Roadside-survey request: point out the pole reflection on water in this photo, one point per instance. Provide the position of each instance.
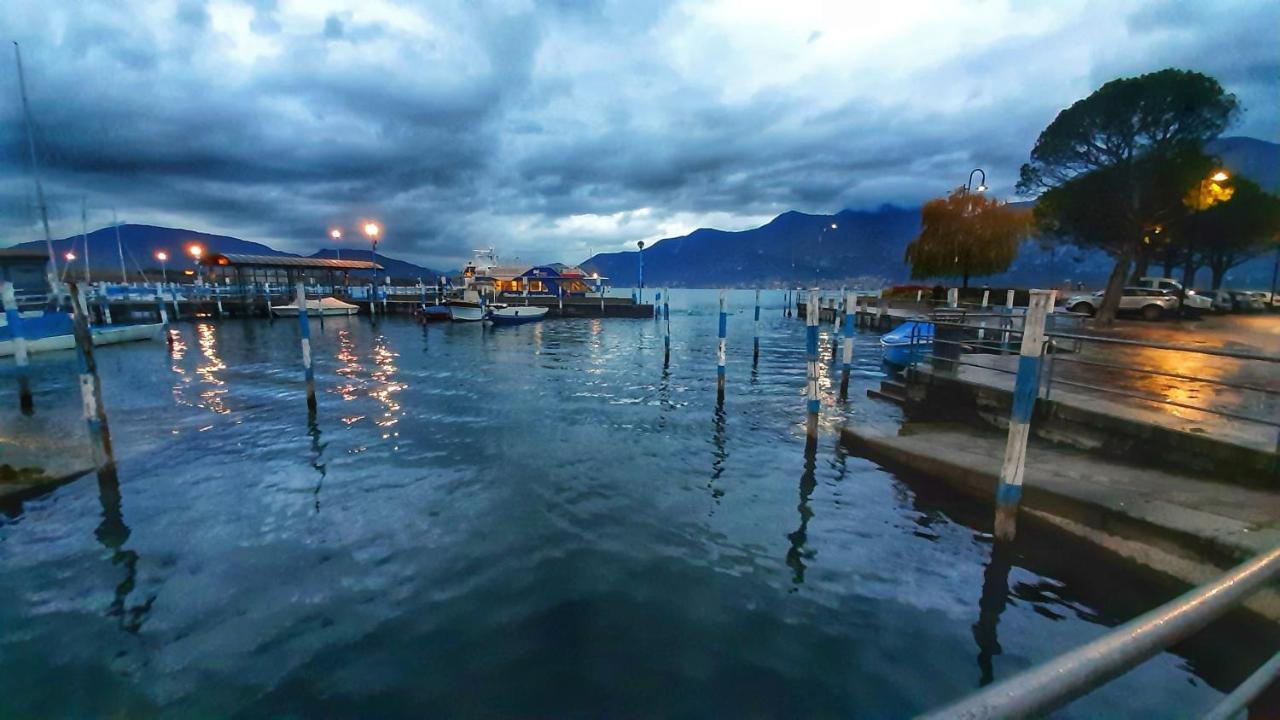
(112, 533)
(995, 596)
(797, 553)
(720, 453)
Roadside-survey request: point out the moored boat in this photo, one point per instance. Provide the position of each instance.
(322, 306)
(470, 307)
(908, 343)
(46, 332)
(517, 314)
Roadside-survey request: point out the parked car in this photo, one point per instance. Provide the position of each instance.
(1193, 303)
(1246, 301)
(1151, 304)
(1221, 300)
(1269, 301)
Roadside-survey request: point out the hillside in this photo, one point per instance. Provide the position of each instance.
(142, 242)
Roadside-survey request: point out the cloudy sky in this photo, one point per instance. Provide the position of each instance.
(551, 129)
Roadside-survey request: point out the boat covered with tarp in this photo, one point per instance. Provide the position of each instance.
(48, 331)
(908, 343)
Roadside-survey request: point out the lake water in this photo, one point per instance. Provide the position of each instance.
(516, 522)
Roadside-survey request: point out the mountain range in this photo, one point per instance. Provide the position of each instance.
(140, 244)
(867, 248)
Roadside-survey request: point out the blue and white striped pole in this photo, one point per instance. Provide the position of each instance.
(305, 325)
(848, 345)
(95, 414)
(838, 308)
(1026, 387)
(811, 355)
(19, 338)
(657, 309)
(755, 334)
(724, 327)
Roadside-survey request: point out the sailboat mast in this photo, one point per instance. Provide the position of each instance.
(35, 168)
(124, 274)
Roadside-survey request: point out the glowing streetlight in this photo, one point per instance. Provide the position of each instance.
(196, 251)
(69, 256)
(640, 296)
(982, 184)
(372, 230)
(163, 257)
(336, 234)
(1220, 176)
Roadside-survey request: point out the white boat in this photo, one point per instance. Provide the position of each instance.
(323, 306)
(47, 332)
(470, 307)
(516, 314)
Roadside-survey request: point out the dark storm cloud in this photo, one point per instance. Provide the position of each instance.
(551, 128)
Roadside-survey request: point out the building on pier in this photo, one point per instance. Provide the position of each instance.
(25, 268)
(247, 271)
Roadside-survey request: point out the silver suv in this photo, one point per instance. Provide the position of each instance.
(1151, 304)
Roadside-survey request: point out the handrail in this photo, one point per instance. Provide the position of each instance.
(1251, 688)
(1165, 346)
(1075, 673)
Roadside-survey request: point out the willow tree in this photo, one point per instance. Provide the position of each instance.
(1117, 164)
(966, 234)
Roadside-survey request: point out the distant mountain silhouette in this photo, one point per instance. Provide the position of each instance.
(142, 242)
(867, 247)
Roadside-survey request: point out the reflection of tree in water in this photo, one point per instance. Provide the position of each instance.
(797, 554)
(112, 532)
(995, 596)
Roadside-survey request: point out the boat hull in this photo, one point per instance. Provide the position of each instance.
(465, 312)
(517, 315)
(107, 335)
(324, 306)
(434, 312)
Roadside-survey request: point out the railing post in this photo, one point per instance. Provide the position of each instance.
(755, 334)
(95, 414)
(811, 355)
(1009, 491)
(106, 303)
(882, 310)
(724, 326)
(19, 339)
(839, 308)
(848, 348)
(1008, 320)
(305, 326)
(173, 295)
(953, 297)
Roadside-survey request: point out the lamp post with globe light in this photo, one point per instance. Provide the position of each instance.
(196, 252)
(163, 257)
(640, 296)
(372, 231)
(336, 234)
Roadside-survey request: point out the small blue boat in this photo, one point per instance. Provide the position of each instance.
(433, 312)
(48, 331)
(908, 343)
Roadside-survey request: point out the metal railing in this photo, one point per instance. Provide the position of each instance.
(1073, 674)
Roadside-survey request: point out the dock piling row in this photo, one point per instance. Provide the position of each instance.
(1026, 387)
(20, 358)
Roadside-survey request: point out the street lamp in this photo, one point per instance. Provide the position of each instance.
(640, 296)
(336, 234)
(163, 257)
(982, 184)
(371, 230)
(196, 252)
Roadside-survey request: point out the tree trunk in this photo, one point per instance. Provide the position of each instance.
(1140, 267)
(1115, 288)
(965, 283)
(1218, 272)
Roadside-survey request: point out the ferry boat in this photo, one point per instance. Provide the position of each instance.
(49, 331)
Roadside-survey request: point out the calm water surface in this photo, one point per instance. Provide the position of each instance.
(529, 521)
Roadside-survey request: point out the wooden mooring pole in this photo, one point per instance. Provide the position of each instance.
(811, 355)
(95, 414)
(720, 371)
(305, 325)
(837, 322)
(755, 334)
(666, 331)
(848, 348)
(1026, 387)
(19, 338)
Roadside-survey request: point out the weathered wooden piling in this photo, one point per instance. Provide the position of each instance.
(953, 297)
(1026, 387)
(982, 323)
(1006, 321)
(305, 325)
(882, 311)
(173, 296)
(811, 355)
(848, 348)
(755, 334)
(18, 336)
(95, 414)
(104, 303)
(666, 331)
(724, 327)
(837, 322)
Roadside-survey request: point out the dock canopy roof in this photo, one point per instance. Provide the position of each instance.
(286, 261)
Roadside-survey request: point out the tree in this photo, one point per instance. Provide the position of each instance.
(1243, 223)
(1115, 165)
(966, 234)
